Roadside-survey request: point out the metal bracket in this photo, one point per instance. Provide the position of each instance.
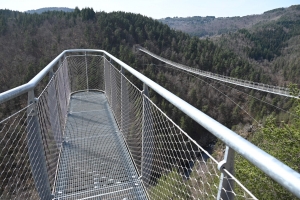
(222, 165)
(35, 100)
(32, 108)
(145, 90)
(65, 140)
(226, 186)
(51, 73)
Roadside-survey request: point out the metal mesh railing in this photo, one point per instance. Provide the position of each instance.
(127, 104)
(170, 163)
(52, 107)
(16, 181)
(85, 72)
(31, 140)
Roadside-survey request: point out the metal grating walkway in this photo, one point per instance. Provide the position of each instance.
(95, 163)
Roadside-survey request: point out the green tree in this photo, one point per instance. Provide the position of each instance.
(281, 140)
(169, 186)
(3, 25)
(87, 14)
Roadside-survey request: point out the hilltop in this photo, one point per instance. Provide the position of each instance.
(271, 45)
(211, 25)
(270, 41)
(41, 10)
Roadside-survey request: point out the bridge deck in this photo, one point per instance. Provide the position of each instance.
(95, 163)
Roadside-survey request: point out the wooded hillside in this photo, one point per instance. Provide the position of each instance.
(211, 25)
(270, 42)
(32, 40)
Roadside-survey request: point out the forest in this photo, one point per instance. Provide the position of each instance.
(30, 41)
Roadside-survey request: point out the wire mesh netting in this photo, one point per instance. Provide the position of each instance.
(30, 142)
(16, 178)
(170, 163)
(175, 166)
(52, 111)
(127, 105)
(85, 72)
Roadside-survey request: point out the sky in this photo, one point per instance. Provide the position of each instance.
(158, 9)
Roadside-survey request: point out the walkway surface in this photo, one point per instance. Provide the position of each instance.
(95, 163)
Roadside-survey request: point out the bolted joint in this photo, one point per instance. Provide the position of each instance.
(34, 101)
(228, 161)
(222, 165)
(51, 73)
(65, 140)
(145, 90)
(226, 186)
(122, 71)
(32, 111)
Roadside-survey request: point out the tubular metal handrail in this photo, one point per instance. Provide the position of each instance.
(10, 94)
(278, 171)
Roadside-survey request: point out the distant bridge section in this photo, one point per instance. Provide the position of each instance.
(282, 91)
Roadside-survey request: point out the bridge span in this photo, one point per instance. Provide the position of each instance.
(88, 132)
(235, 81)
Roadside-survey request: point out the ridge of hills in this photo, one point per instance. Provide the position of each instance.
(270, 41)
(41, 10)
(211, 25)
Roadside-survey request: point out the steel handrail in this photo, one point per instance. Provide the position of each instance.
(17, 91)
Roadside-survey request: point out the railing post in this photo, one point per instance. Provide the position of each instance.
(36, 151)
(124, 103)
(104, 72)
(59, 63)
(51, 73)
(147, 138)
(112, 82)
(226, 186)
(86, 72)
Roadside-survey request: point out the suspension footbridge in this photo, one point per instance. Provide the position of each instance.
(282, 91)
(88, 132)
